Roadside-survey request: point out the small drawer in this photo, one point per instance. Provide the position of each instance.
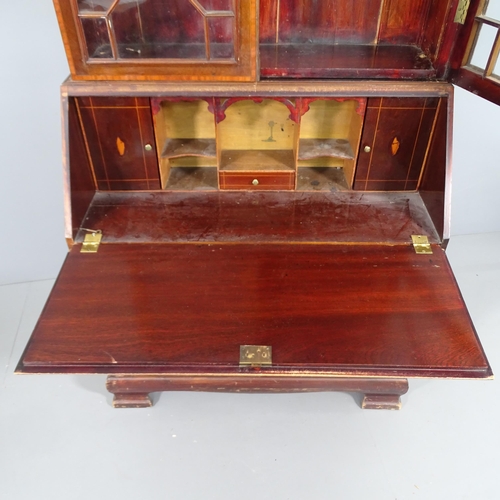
(257, 180)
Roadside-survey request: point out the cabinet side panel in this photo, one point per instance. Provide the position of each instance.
(81, 178)
(432, 36)
(433, 184)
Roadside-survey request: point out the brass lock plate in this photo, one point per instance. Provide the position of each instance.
(256, 355)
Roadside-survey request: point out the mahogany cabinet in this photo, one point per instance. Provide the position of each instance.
(258, 195)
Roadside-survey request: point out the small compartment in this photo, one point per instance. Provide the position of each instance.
(330, 132)
(185, 135)
(321, 179)
(257, 136)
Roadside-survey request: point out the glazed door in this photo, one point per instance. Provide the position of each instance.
(159, 39)
(394, 143)
(476, 59)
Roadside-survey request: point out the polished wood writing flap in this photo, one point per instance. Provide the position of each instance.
(340, 308)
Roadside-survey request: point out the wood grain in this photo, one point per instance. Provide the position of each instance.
(402, 22)
(330, 21)
(346, 309)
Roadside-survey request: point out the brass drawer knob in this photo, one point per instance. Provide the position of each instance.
(148, 147)
(367, 149)
(255, 182)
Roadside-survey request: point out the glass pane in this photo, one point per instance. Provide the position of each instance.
(173, 29)
(211, 5)
(170, 29)
(220, 30)
(493, 9)
(483, 47)
(88, 6)
(159, 29)
(96, 37)
(496, 70)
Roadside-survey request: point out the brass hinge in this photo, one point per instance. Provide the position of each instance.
(462, 9)
(421, 244)
(91, 241)
(256, 355)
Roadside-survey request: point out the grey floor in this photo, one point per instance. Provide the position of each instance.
(61, 439)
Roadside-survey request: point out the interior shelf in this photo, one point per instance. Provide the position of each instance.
(321, 148)
(192, 179)
(257, 160)
(177, 148)
(308, 60)
(321, 179)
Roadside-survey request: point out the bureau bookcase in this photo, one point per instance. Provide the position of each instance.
(258, 195)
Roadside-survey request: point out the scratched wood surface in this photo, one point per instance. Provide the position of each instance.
(260, 217)
(295, 60)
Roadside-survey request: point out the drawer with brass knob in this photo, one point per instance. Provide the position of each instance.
(257, 180)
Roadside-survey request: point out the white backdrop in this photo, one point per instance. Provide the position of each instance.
(33, 64)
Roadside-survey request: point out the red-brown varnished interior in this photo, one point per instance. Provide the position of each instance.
(254, 217)
(351, 38)
(346, 309)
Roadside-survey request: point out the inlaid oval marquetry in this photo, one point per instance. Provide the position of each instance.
(395, 146)
(120, 145)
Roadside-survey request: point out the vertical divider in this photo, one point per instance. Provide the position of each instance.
(298, 106)
(215, 104)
